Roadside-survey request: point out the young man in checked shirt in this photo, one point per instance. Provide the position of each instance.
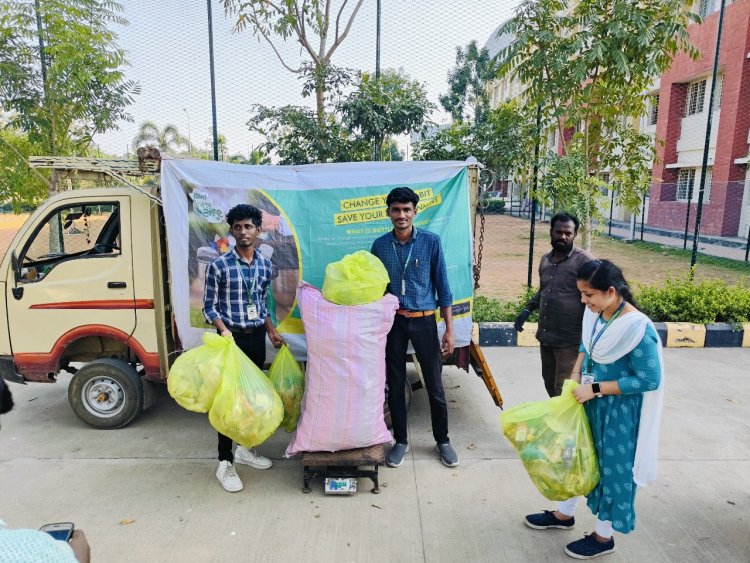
(235, 303)
(416, 267)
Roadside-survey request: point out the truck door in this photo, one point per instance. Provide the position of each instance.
(74, 278)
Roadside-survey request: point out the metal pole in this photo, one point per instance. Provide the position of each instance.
(687, 216)
(190, 144)
(377, 149)
(611, 209)
(377, 43)
(533, 199)
(213, 80)
(747, 246)
(704, 165)
(43, 63)
(643, 214)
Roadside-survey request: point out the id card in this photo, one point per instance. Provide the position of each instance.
(587, 378)
(252, 312)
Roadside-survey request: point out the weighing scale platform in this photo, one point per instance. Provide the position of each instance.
(344, 464)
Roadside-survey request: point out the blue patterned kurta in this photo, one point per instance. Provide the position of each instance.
(614, 426)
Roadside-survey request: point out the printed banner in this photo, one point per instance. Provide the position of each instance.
(312, 215)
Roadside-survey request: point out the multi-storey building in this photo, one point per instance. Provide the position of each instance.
(677, 118)
(678, 115)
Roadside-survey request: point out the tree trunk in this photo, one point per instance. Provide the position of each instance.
(53, 181)
(320, 99)
(586, 228)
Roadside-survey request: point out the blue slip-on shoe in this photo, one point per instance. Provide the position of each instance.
(589, 547)
(448, 455)
(396, 456)
(546, 519)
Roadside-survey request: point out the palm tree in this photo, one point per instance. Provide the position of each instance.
(165, 139)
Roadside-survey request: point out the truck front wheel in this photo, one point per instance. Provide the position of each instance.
(106, 393)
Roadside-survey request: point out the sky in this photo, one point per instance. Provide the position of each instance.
(167, 47)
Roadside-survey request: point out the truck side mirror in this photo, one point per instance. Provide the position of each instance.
(17, 291)
(15, 266)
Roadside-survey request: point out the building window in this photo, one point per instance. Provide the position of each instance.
(707, 186)
(685, 184)
(695, 98)
(705, 7)
(653, 114)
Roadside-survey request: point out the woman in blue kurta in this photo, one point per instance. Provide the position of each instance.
(620, 369)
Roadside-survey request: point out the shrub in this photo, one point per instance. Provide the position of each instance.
(495, 206)
(486, 309)
(677, 300)
(683, 300)
(490, 310)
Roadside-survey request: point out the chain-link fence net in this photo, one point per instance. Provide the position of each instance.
(168, 50)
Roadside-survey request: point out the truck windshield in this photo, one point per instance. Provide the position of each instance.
(72, 231)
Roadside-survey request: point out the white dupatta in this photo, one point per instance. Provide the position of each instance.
(621, 338)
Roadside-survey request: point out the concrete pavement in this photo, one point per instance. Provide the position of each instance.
(148, 492)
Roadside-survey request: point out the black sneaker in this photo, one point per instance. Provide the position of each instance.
(396, 456)
(448, 455)
(547, 519)
(589, 547)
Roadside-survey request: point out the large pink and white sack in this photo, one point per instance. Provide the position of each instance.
(342, 407)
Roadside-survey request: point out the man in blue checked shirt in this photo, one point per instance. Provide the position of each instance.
(235, 303)
(416, 266)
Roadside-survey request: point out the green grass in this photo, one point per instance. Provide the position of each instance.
(702, 259)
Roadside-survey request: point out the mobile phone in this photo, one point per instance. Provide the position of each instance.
(59, 530)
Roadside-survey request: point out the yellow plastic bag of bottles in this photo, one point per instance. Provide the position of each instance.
(289, 381)
(195, 376)
(247, 408)
(356, 279)
(553, 440)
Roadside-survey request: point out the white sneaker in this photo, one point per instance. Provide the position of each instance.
(228, 477)
(248, 456)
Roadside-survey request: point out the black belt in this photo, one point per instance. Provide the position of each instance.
(248, 330)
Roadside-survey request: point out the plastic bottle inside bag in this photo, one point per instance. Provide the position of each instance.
(569, 452)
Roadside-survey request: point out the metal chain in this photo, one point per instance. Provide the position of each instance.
(486, 180)
(478, 262)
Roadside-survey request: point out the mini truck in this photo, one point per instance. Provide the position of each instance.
(87, 290)
(85, 280)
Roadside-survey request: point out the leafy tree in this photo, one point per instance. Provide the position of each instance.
(586, 68)
(19, 184)
(78, 88)
(309, 22)
(295, 136)
(392, 105)
(166, 139)
(256, 157)
(497, 142)
(467, 97)
(391, 151)
(452, 142)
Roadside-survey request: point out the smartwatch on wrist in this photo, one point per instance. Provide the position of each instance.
(596, 389)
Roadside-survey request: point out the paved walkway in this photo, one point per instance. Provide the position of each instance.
(148, 493)
(714, 249)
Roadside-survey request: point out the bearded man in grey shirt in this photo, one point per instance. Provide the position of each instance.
(559, 303)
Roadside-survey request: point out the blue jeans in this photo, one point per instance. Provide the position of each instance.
(422, 331)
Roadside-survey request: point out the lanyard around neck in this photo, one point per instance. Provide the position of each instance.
(250, 290)
(405, 263)
(593, 341)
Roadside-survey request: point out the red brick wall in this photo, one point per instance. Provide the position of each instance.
(721, 216)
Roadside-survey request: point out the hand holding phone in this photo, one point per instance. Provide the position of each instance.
(62, 531)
